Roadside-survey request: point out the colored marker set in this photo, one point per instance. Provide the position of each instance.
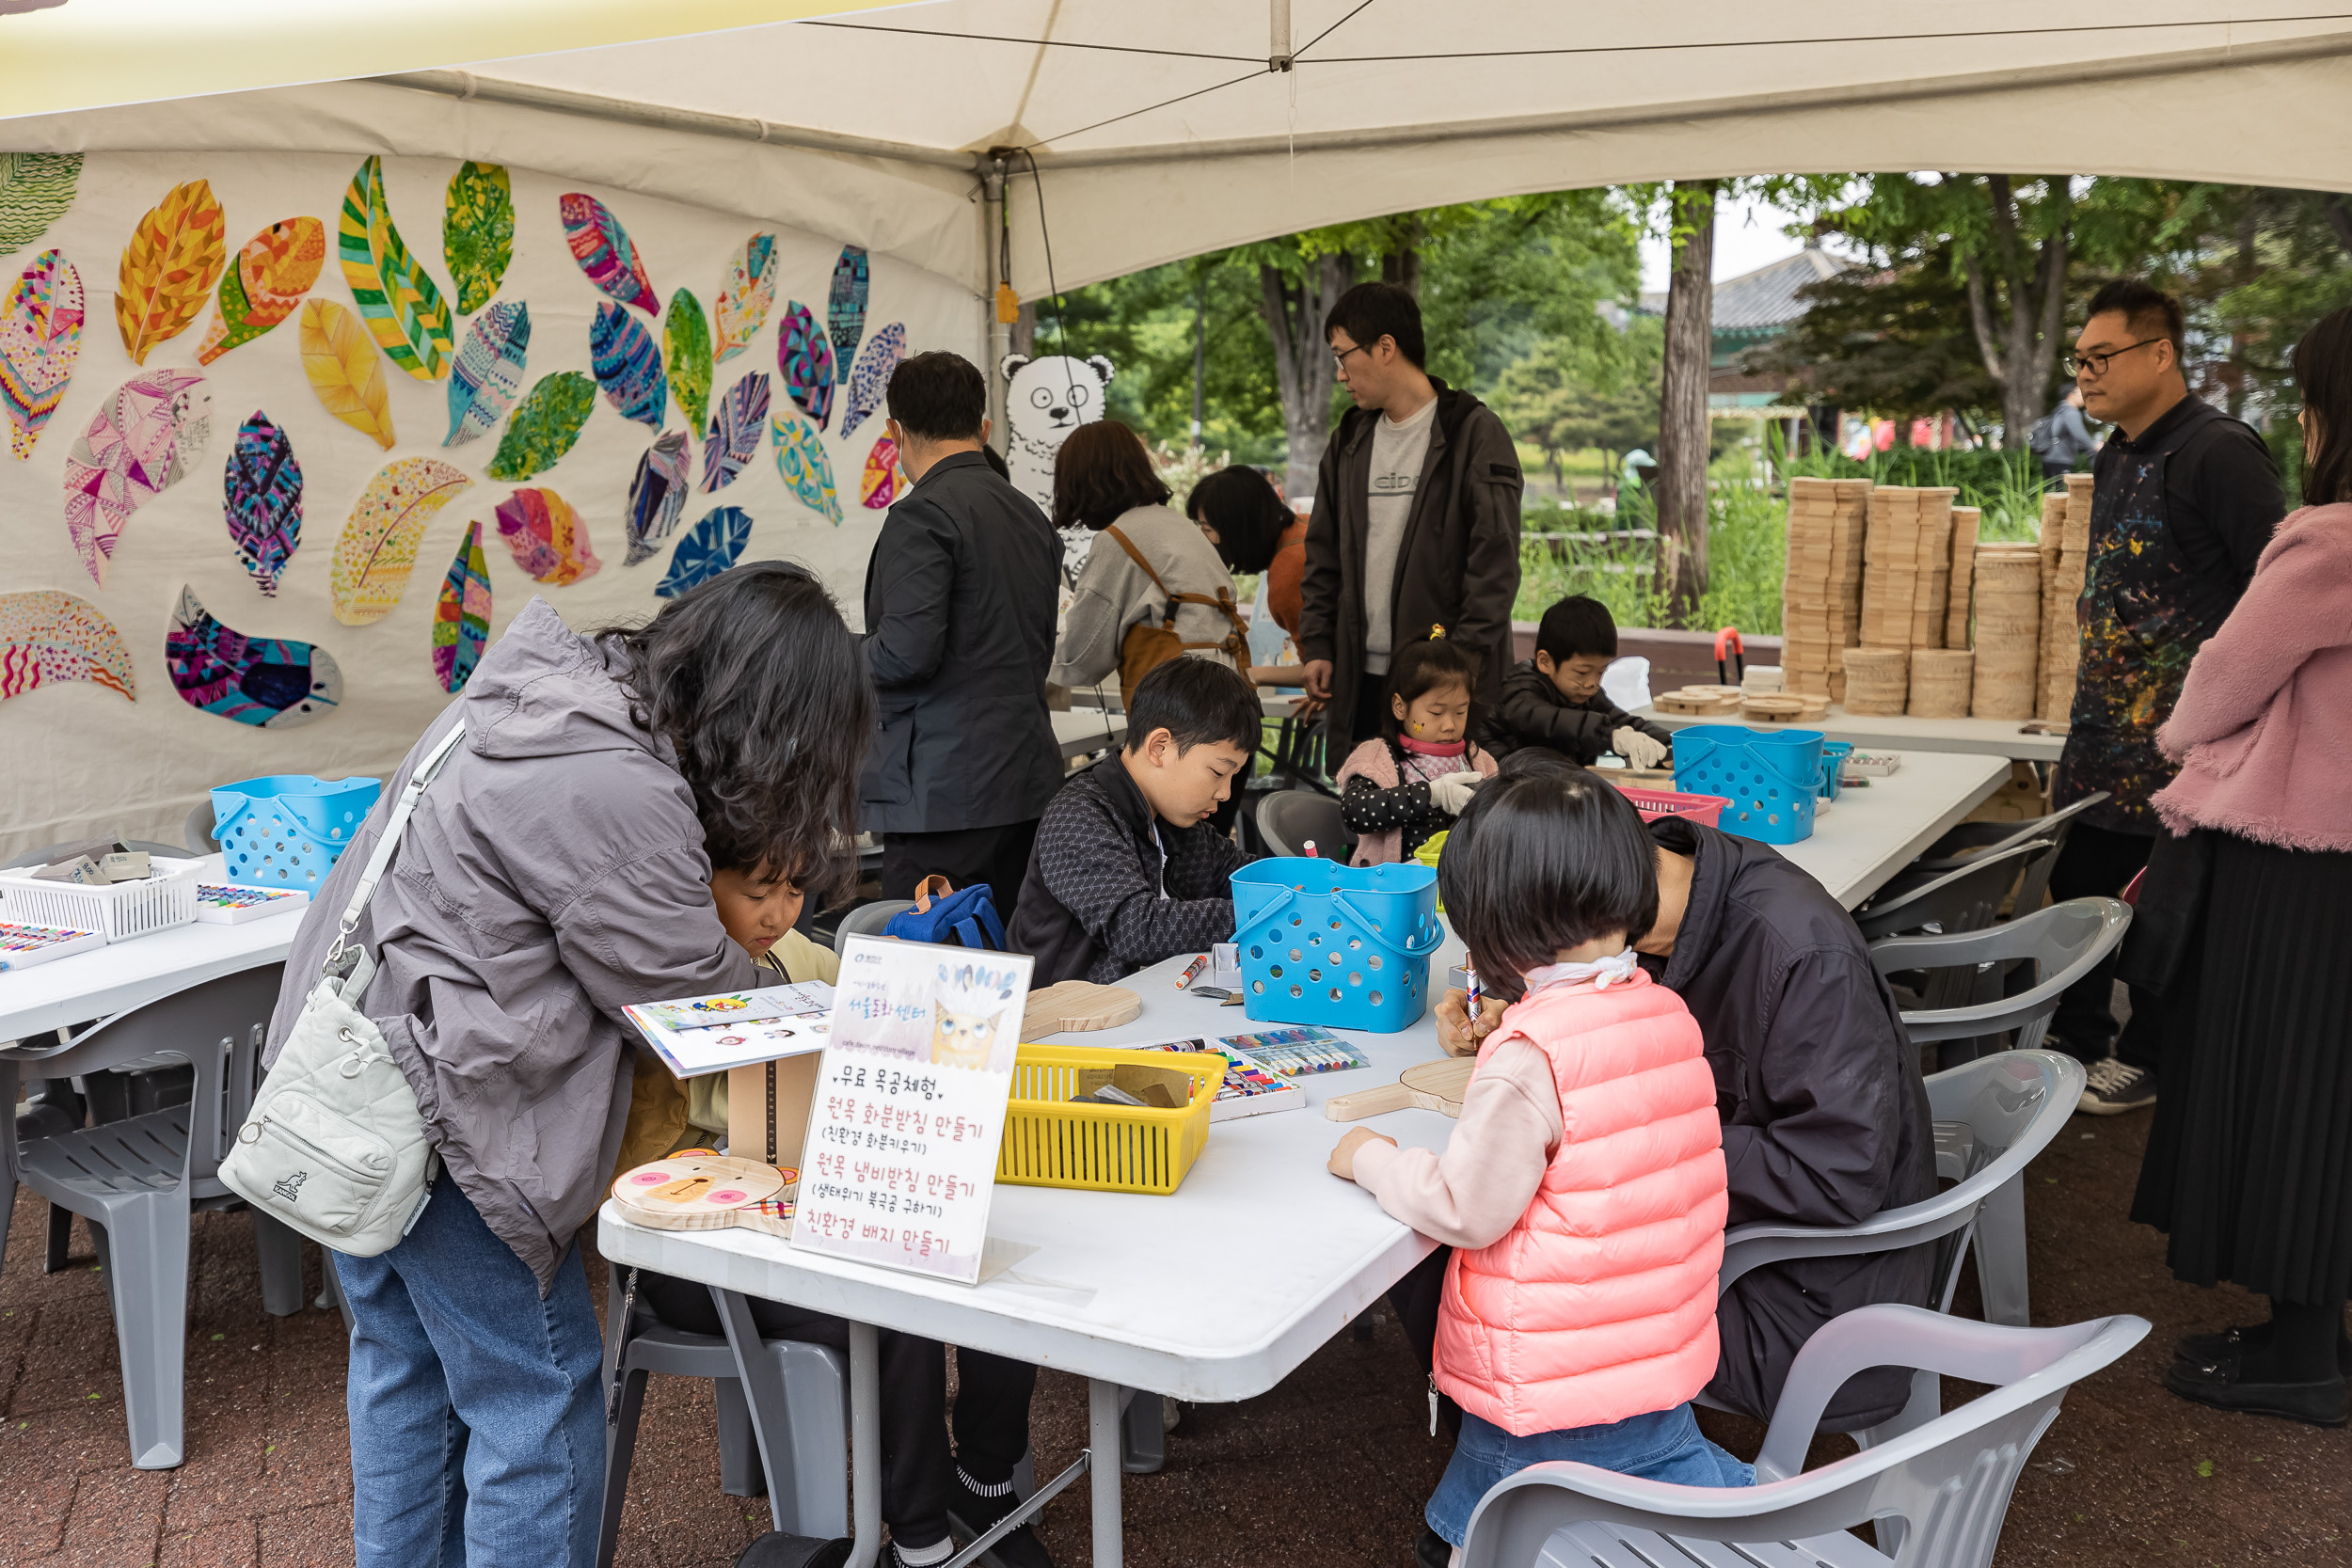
(228, 904)
(23, 946)
(1289, 1053)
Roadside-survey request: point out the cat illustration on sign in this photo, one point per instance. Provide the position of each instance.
(968, 1016)
(1045, 400)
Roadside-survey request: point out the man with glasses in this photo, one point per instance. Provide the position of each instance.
(2185, 499)
(1416, 525)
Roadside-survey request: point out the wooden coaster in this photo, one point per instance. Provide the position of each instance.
(1429, 1085)
(707, 1192)
(1077, 1006)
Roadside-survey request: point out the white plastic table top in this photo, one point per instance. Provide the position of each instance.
(1080, 730)
(1991, 737)
(1873, 831)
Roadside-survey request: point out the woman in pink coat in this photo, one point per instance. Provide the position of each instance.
(2249, 1168)
(1583, 1187)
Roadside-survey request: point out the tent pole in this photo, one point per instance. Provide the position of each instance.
(999, 330)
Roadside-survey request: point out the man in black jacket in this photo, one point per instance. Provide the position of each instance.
(960, 600)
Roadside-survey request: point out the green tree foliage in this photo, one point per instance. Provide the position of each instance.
(1567, 395)
(1894, 341)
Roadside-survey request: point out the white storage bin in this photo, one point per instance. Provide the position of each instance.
(116, 912)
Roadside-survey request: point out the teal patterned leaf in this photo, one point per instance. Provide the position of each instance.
(709, 547)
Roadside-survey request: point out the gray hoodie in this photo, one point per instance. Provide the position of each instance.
(553, 874)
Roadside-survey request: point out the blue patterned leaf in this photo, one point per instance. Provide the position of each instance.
(490, 371)
(656, 496)
(709, 547)
(845, 309)
(736, 423)
(628, 365)
(805, 355)
(261, 499)
(870, 378)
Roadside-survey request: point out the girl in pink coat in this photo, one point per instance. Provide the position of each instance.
(1583, 1185)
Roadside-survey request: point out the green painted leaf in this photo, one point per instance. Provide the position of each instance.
(397, 298)
(36, 188)
(478, 236)
(685, 345)
(546, 426)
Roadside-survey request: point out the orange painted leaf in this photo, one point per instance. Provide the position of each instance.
(169, 269)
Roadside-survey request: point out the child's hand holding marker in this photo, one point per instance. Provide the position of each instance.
(1457, 1035)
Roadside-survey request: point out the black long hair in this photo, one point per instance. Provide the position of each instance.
(2323, 375)
(1249, 518)
(756, 684)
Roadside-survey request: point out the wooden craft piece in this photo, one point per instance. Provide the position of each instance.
(708, 1192)
(1427, 1085)
(1077, 1006)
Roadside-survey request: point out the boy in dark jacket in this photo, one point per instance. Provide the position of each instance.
(1554, 700)
(1127, 869)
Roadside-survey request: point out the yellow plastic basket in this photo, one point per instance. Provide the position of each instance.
(1427, 855)
(1050, 1141)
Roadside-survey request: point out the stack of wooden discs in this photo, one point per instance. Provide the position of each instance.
(2009, 631)
(2066, 558)
(1820, 589)
(1932, 586)
(1964, 522)
(1786, 707)
(1877, 679)
(1890, 567)
(1939, 682)
(1699, 701)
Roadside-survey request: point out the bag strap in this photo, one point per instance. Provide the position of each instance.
(932, 886)
(1223, 599)
(372, 872)
(1137, 556)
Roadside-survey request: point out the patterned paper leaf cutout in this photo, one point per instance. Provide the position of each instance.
(656, 496)
(397, 297)
(36, 188)
(602, 248)
(261, 499)
(48, 636)
(478, 236)
(545, 427)
(627, 366)
(805, 355)
(168, 268)
(548, 538)
(870, 378)
(274, 270)
(845, 307)
(146, 439)
(270, 681)
(686, 348)
(736, 424)
(709, 547)
(377, 547)
(40, 337)
(345, 372)
(488, 372)
(882, 481)
(746, 295)
(800, 459)
(461, 619)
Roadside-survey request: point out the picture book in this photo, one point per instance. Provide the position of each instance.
(710, 1034)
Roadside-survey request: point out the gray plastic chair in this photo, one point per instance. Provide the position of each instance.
(1971, 841)
(137, 1181)
(1937, 1494)
(1964, 899)
(867, 920)
(1289, 818)
(49, 852)
(199, 829)
(2064, 943)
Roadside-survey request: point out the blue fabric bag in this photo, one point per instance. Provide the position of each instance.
(943, 915)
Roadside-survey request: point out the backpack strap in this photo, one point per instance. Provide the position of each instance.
(372, 872)
(1223, 600)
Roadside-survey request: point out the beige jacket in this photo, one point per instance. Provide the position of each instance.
(1112, 594)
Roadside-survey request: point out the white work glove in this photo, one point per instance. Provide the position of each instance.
(1638, 749)
(1451, 792)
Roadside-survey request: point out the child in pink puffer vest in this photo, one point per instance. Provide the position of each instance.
(1582, 1188)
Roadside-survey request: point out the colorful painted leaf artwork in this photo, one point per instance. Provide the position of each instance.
(273, 682)
(488, 373)
(274, 270)
(627, 366)
(686, 350)
(844, 307)
(344, 371)
(805, 355)
(736, 421)
(545, 427)
(883, 482)
(47, 636)
(870, 378)
(602, 248)
(478, 236)
(709, 547)
(397, 297)
(461, 621)
(261, 499)
(168, 268)
(36, 188)
(656, 496)
(141, 443)
(548, 538)
(377, 547)
(746, 295)
(40, 337)
(800, 459)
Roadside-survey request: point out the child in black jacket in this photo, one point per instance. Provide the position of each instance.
(1554, 698)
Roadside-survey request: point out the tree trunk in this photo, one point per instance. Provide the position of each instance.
(1294, 312)
(1199, 357)
(1402, 266)
(2021, 350)
(1682, 404)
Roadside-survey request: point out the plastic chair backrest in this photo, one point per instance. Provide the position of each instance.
(1982, 838)
(1964, 899)
(867, 920)
(48, 853)
(198, 831)
(1947, 1481)
(1291, 818)
(2066, 941)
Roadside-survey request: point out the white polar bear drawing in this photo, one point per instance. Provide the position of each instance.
(1045, 400)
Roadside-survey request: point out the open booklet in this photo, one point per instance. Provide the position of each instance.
(710, 1034)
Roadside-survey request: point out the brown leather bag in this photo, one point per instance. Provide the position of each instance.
(1146, 647)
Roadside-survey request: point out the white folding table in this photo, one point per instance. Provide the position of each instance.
(125, 975)
(1900, 732)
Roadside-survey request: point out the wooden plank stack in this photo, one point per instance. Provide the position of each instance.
(2065, 558)
(2008, 593)
(1822, 588)
(1933, 585)
(1964, 521)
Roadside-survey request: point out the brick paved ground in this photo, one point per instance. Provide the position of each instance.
(1329, 1469)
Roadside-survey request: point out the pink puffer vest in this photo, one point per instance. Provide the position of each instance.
(1600, 1303)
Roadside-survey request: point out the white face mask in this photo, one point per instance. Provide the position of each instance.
(1603, 973)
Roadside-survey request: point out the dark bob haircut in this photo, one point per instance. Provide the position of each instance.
(2323, 376)
(1198, 701)
(939, 396)
(1421, 668)
(1576, 624)
(2148, 311)
(1370, 311)
(1249, 518)
(1545, 859)
(1101, 472)
(755, 683)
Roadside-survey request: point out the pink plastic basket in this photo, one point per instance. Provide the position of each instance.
(1655, 804)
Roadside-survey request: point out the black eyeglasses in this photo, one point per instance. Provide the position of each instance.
(1339, 356)
(2074, 364)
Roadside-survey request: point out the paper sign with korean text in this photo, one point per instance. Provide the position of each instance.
(901, 1161)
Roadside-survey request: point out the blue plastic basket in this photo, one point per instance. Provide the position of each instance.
(1834, 754)
(1343, 946)
(290, 829)
(1773, 777)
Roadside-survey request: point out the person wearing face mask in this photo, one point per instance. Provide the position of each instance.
(1554, 700)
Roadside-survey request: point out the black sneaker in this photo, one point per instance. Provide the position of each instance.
(2230, 1343)
(1431, 1551)
(2110, 1087)
(972, 1516)
(2216, 1383)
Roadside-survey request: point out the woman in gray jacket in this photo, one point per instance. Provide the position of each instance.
(558, 870)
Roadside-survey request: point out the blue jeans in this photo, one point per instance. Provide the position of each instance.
(477, 1433)
(1664, 1444)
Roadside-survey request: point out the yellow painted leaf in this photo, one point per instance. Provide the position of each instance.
(377, 548)
(345, 370)
(168, 268)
